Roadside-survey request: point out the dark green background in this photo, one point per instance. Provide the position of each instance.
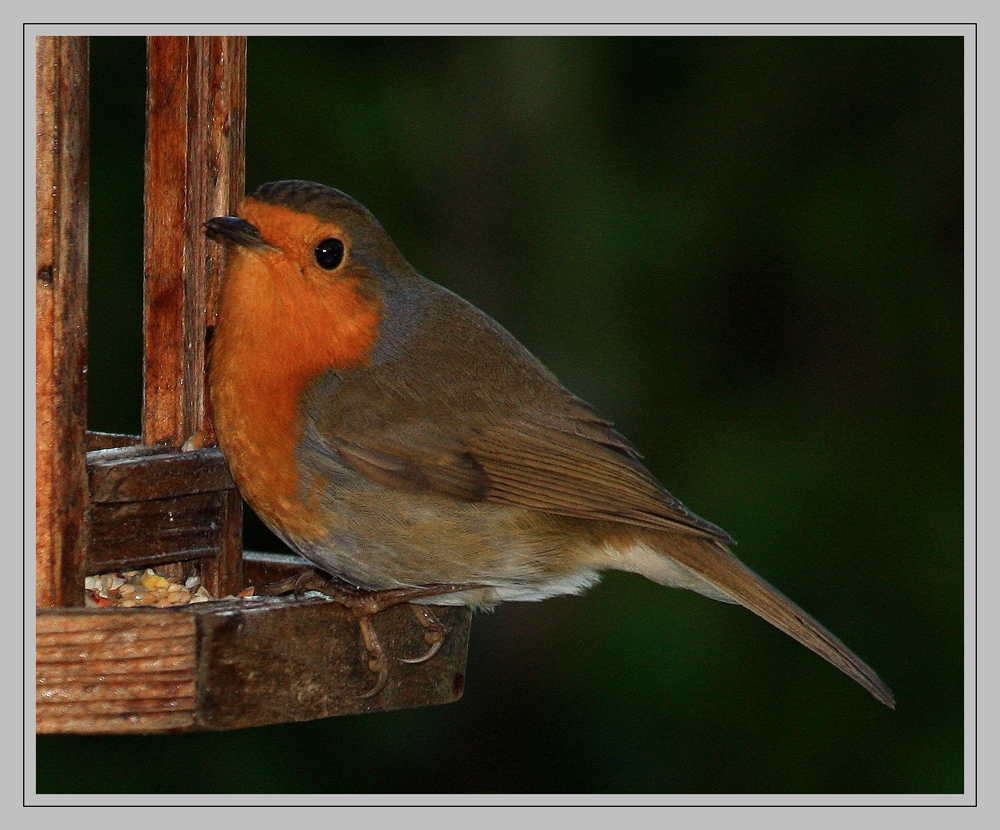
(745, 251)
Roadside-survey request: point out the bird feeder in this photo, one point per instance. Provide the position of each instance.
(164, 499)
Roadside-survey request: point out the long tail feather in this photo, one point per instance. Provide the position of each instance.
(705, 561)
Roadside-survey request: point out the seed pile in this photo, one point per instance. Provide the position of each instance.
(131, 589)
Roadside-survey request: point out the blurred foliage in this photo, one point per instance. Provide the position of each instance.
(748, 252)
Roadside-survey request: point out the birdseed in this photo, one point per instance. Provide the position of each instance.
(146, 588)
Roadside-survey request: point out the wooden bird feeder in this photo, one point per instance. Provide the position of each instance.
(164, 499)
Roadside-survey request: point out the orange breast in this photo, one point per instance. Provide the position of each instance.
(279, 328)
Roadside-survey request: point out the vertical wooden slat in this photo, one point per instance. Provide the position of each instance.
(222, 575)
(62, 199)
(194, 171)
(222, 129)
(220, 140)
(170, 388)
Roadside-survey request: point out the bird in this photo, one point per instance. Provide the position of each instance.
(413, 451)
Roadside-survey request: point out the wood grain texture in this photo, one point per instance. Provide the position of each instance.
(110, 440)
(114, 671)
(228, 665)
(194, 170)
(62, 194)
(196, 102)
(152, 505)
(223, 573)
(142, 473)
(132, 535)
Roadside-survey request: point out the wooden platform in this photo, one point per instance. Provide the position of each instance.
(230, 664)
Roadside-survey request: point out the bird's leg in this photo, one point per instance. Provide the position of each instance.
(364, 605)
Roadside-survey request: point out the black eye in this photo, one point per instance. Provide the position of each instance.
(329, 253)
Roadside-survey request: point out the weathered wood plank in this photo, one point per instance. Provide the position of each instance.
(108, 681)
(262, 662)
(110, 440)
(230, 664)
(151, 506)
(61, 233)
(129, 535)
(142, 473)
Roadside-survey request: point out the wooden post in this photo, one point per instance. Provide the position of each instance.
(195, 114)
(61, 230)
(194, 171)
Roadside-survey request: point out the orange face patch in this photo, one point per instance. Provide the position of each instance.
(283, 321)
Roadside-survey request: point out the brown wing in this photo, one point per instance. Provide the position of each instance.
(456, 405)
(577, 468)
(572, 475)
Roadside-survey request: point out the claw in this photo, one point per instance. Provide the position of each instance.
(300, 584)
(380, 681)
(427, 655)
(434, 636)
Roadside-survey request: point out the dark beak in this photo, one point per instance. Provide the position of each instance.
(235, 231)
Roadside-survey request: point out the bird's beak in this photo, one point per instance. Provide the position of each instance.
(235, 231)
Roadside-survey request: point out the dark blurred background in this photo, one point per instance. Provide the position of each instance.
(745, 251)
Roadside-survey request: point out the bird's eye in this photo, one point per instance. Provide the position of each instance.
(329, 253)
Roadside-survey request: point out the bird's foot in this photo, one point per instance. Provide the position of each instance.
(364, 605)
(433, 636)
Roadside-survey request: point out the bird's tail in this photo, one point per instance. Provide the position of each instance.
(708, 567)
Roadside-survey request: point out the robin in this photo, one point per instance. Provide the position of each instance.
(404, 442)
